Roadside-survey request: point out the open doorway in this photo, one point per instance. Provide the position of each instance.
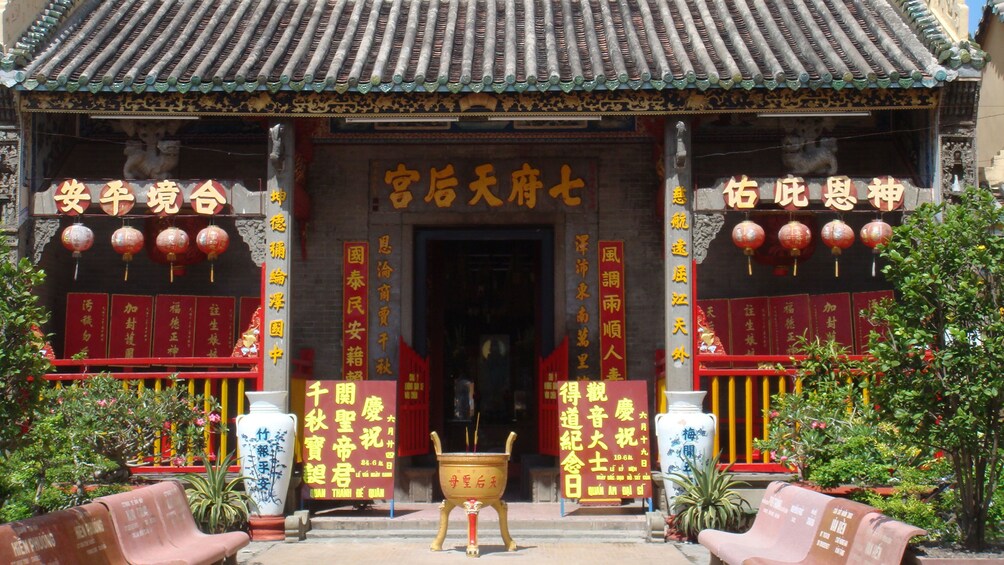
(484, 312)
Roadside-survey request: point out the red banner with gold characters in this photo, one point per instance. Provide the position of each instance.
(173, 326)
(790, 318)
(355, 310)
(613, 322)
(831, 318)
(750, 327)
(86, 325)
(130, 327)
(214, 326)
(863, 301)
(349, 439)
(603, 440)
(716, 313)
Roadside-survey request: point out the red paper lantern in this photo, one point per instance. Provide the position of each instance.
(172, 242)
(213, 241)
(873, 234)
(837, 236)
(748, 236)
(794, 236)
(127, 241)
(77, 238)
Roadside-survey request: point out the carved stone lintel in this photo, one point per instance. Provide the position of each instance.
(43, 232)
(252, 231)
(706, 228)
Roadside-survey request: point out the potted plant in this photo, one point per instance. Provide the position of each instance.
(218, 505)
(708, 500)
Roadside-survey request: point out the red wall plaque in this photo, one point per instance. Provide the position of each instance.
(831, 318)
(862, 327)
(86, 325)
(716, 312)
(173, 326)
(355, 310)
(749, 326)
(790, 318)
(130, 326)
(214, 326)
(613, 308)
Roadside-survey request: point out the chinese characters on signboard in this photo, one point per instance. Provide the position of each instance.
(174, 326)
(355, 310)
(838, 193)
(349, 437)
(831, 318)
(678, 261)
(603, 440)
(582, 295)
(790, 319)
(613, 321)
(214, 325)
(277, 262)
(503, 185)
(163, 198)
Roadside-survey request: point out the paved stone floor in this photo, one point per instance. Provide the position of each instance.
(415, 552)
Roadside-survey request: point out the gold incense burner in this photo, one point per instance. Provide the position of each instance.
(473, 481)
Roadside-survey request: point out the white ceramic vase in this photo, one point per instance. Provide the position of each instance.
(684, 432)
(265, 441)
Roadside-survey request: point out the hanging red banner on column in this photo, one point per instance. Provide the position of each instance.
(130, 327)
(349, 437)
(86, 325)
(603, 440)
(863, 302)
(749, 326)
(790, 318)
(355, 310)
(174, 326)
(613, 309)
(831, 318)
(214, 326)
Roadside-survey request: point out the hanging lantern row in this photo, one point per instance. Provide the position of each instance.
(795, 237)
(127, 241)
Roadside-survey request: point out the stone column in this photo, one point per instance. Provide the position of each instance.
(278, 206)
(678, 256)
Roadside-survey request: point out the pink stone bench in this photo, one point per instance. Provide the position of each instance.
(155, 527)
(81, 535)
(799, 526)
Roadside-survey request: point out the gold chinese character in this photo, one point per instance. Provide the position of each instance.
(791, 191)
(680, 274)
(610, 279)
(277, 249)
(679, 221)
(566, 186)
(277, 196)
(680, 325)
(275, 328)
(582, 291)
(277, 301)
(277, 222)
(355, 279)
(207, 199)
(164, 197)
(680, 354)
(275, 353)
(680, 299)
(582, 243)
(581, 267)
(679, 248)
(481, 187)
(400, 180)
(119, 196)
(384, 270)
(442, 185)
(354, 331)
(383, 245)
(277, 277)
(838, 195)
(355, 255)
(69, 195)
(886, 193)
(525, 184)
(741, 193)
(679, 196)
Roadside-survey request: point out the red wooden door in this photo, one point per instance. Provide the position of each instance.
(550, 371)
(413, 403)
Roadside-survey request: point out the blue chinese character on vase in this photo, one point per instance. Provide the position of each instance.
(265, 462)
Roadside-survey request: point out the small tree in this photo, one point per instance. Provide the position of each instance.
(22, 364)
(941, 354)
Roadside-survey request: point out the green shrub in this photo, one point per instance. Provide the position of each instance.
(218, 505)
(708, 500)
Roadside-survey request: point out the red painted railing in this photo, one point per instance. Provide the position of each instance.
(224, 378)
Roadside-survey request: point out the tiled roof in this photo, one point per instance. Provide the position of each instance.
(481, 45)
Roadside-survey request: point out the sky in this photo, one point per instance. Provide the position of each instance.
(975, 11)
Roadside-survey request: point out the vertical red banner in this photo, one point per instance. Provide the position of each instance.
(248, 305)
(863, 302)
(355, 310)
(174, 326)
(86, 325)
(831, 318)
(130, 326)
(750, 326)
(790, 318)
(214, 326)
(716, 312)
(613, 319)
